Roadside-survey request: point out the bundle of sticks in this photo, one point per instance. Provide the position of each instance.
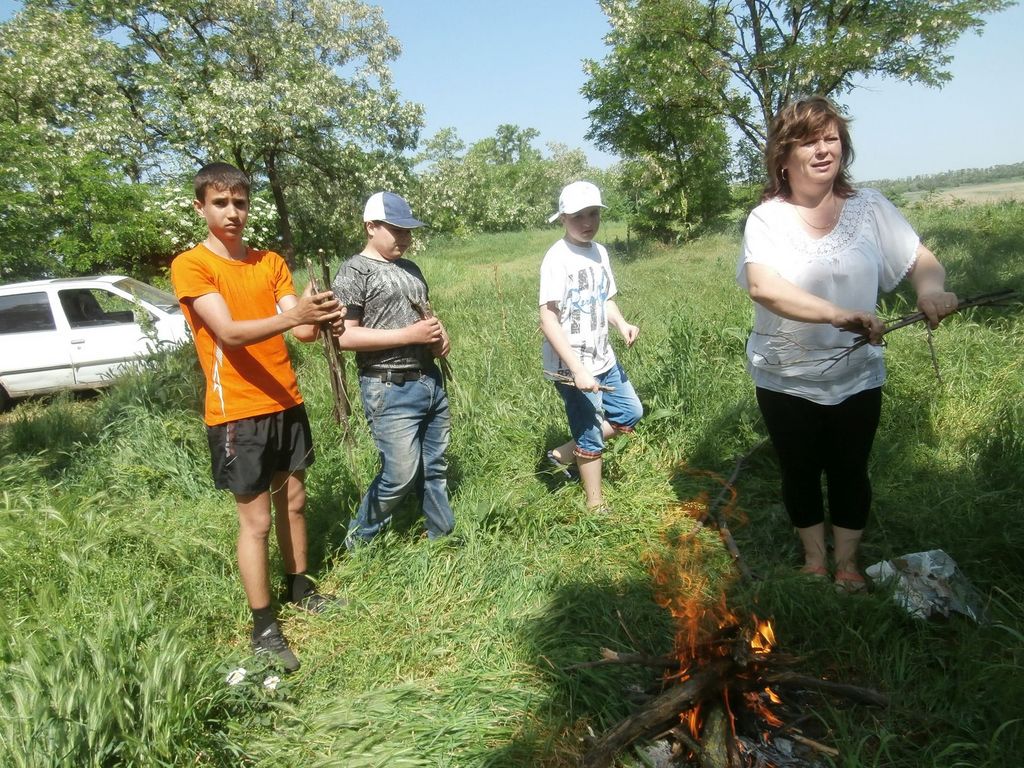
(335, 359)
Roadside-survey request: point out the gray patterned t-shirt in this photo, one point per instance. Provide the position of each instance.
(380, 294)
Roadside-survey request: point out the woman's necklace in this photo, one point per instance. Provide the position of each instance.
(830, 225)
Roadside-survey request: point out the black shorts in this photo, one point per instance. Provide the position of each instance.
(246, 453)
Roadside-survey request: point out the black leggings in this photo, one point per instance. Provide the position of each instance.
(835, 439)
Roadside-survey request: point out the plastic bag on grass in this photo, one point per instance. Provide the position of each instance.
(930, 583)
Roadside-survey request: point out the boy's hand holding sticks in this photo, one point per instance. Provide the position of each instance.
(562, 378)
(440, 350)
(335, 361)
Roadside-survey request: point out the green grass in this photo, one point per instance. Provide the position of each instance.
(121, 611)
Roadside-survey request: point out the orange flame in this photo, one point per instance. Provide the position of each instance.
(683, 587)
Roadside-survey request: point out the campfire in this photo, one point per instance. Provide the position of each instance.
(727, 696)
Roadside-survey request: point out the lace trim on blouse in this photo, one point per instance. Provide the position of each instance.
(842, 236)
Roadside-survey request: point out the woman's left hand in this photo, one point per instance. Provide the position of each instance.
(937, 305)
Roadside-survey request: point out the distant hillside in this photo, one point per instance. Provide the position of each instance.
(948, 180)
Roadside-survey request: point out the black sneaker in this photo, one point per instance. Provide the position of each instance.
(272, 642)
(316, 602)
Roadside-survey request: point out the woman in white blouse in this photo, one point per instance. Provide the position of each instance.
(815, 254)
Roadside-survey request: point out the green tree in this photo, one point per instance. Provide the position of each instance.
(514, 187)
(680, 67)
(294, 92)
(71, 148)
(773, 52)
(445, 184)
(660, 120)
(498, 184)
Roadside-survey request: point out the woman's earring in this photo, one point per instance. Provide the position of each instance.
(785, 174)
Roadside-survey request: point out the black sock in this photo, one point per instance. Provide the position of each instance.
(297, 586)
(261, 619)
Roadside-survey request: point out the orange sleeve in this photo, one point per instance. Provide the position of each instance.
(284, 285)
(190, 277)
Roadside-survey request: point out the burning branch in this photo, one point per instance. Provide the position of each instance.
(987, 299)
(664, 708)
(335, 360)
(736, 668)
(853, 692)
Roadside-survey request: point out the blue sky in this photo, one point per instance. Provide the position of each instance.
(475, 65)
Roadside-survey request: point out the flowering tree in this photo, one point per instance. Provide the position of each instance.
(71, 147)
(296, 93)
(498, 184)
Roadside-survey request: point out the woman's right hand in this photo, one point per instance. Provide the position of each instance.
(862, 323)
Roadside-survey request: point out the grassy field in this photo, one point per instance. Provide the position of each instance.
(121, 612)
(972, 194)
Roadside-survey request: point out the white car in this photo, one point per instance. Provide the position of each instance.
(80, 333)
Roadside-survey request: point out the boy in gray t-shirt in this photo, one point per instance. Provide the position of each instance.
(403, 396)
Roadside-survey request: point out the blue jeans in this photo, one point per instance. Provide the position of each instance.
(411, 427)
(586, 410)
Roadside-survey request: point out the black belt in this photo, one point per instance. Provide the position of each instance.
(392, 376)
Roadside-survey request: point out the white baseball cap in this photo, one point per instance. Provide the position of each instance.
(391, 209)
(577, 196)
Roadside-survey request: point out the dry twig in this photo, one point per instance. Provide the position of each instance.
(987, 299)
(335, 359)
(561, 378)
(721, 522)
(424, 310)
(608, 656)
(817, 746)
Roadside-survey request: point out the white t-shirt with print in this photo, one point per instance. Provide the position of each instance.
(871, 247)
(579, 279)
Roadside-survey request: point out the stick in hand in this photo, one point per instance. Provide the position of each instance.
(561, 378)
(987, 299)
(425, 311)
(335, 361)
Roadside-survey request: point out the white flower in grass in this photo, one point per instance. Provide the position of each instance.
(271, 683)
(235, 676)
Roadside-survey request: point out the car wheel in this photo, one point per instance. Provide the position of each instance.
(5, 400)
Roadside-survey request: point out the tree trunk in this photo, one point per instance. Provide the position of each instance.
(284, 223)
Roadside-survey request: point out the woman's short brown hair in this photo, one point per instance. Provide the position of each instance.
(795, 123)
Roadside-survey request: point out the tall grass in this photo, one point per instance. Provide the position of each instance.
(122, 612)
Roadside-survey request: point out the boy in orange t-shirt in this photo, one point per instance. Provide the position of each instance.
(238, 302)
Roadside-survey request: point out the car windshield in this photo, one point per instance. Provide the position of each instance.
(156, 297)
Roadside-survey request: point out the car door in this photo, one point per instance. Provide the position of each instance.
(105, 333)
(35, 354)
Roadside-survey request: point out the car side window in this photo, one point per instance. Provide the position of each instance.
(26, 312)
(88, 307)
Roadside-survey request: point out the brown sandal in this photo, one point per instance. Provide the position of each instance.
(814, 571)
(850, 582)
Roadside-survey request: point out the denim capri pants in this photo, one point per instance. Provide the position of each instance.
(586, 410)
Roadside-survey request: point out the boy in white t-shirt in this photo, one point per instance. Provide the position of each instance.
(576, 308)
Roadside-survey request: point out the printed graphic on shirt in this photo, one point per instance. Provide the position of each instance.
(580, 280)
(584, 312)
